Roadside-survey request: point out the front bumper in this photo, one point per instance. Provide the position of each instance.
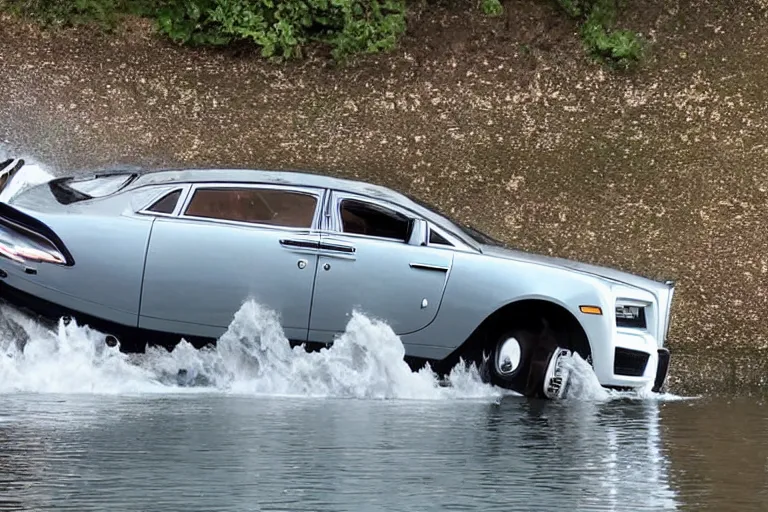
(632, 360)
(662, 370)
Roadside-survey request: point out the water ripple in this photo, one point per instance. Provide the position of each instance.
(212, 452)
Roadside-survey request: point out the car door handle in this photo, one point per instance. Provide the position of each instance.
(429, 266)
(343, 248)
(300, 244)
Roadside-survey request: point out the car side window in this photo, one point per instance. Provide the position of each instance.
(167, 203)
(255, 205)
(436, 238)
(362, 218)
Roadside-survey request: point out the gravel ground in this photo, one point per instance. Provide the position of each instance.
(663, 172)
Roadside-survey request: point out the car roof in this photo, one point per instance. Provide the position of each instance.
(258, 176)
(298, 179)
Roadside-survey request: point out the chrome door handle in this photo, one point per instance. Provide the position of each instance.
(335, 247)
(299, 244)
(429, 266)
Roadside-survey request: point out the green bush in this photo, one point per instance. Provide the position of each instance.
(621, 49)
(103, 13)
(492, 7)
(53, 12)
(283, 28)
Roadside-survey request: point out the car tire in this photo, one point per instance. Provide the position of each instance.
(527, 362)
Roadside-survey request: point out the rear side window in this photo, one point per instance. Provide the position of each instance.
(262, 206)
(167, 203)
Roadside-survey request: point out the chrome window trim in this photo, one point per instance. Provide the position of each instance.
(326, 219)
(317, 193)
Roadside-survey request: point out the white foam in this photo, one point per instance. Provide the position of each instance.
(584, 386)
(253, 357)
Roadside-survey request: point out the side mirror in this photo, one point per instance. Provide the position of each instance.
(418, 235)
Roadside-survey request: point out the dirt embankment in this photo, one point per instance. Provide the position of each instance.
(663, 172)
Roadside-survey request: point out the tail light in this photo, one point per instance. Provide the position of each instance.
(24, 246)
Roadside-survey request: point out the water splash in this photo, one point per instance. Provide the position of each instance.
(31, 174)
(253, 357)
(70, 359)
(584, 386)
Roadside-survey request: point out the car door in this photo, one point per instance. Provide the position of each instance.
(226, 244)
(371, 262)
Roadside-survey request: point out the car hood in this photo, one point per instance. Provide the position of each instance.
(585, 268)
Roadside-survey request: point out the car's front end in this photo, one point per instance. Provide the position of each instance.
(627, 331)
(627, 327)
(625, 317)
(632, 352)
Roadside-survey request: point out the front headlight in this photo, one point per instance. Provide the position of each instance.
(631, 314)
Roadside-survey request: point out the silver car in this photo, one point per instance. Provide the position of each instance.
(149, 257)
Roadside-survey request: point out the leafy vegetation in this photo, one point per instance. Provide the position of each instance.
(283, 29)
(492, 7)
(621, 49)
(105, 14)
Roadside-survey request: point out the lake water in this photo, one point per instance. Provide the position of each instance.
(84, 427)
(213, 452)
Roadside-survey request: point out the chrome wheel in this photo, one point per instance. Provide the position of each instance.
(557, 376)
(530, 363)
(508, 357)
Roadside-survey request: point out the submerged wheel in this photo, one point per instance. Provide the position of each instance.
(508, 357)
(529, 363)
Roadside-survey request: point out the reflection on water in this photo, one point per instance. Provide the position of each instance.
(718, 450)
(211, 452)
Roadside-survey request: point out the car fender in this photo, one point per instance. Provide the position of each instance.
(478, 286)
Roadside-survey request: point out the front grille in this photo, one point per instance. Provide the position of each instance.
(628, 362)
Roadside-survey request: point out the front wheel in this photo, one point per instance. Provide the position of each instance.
(529, 364)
